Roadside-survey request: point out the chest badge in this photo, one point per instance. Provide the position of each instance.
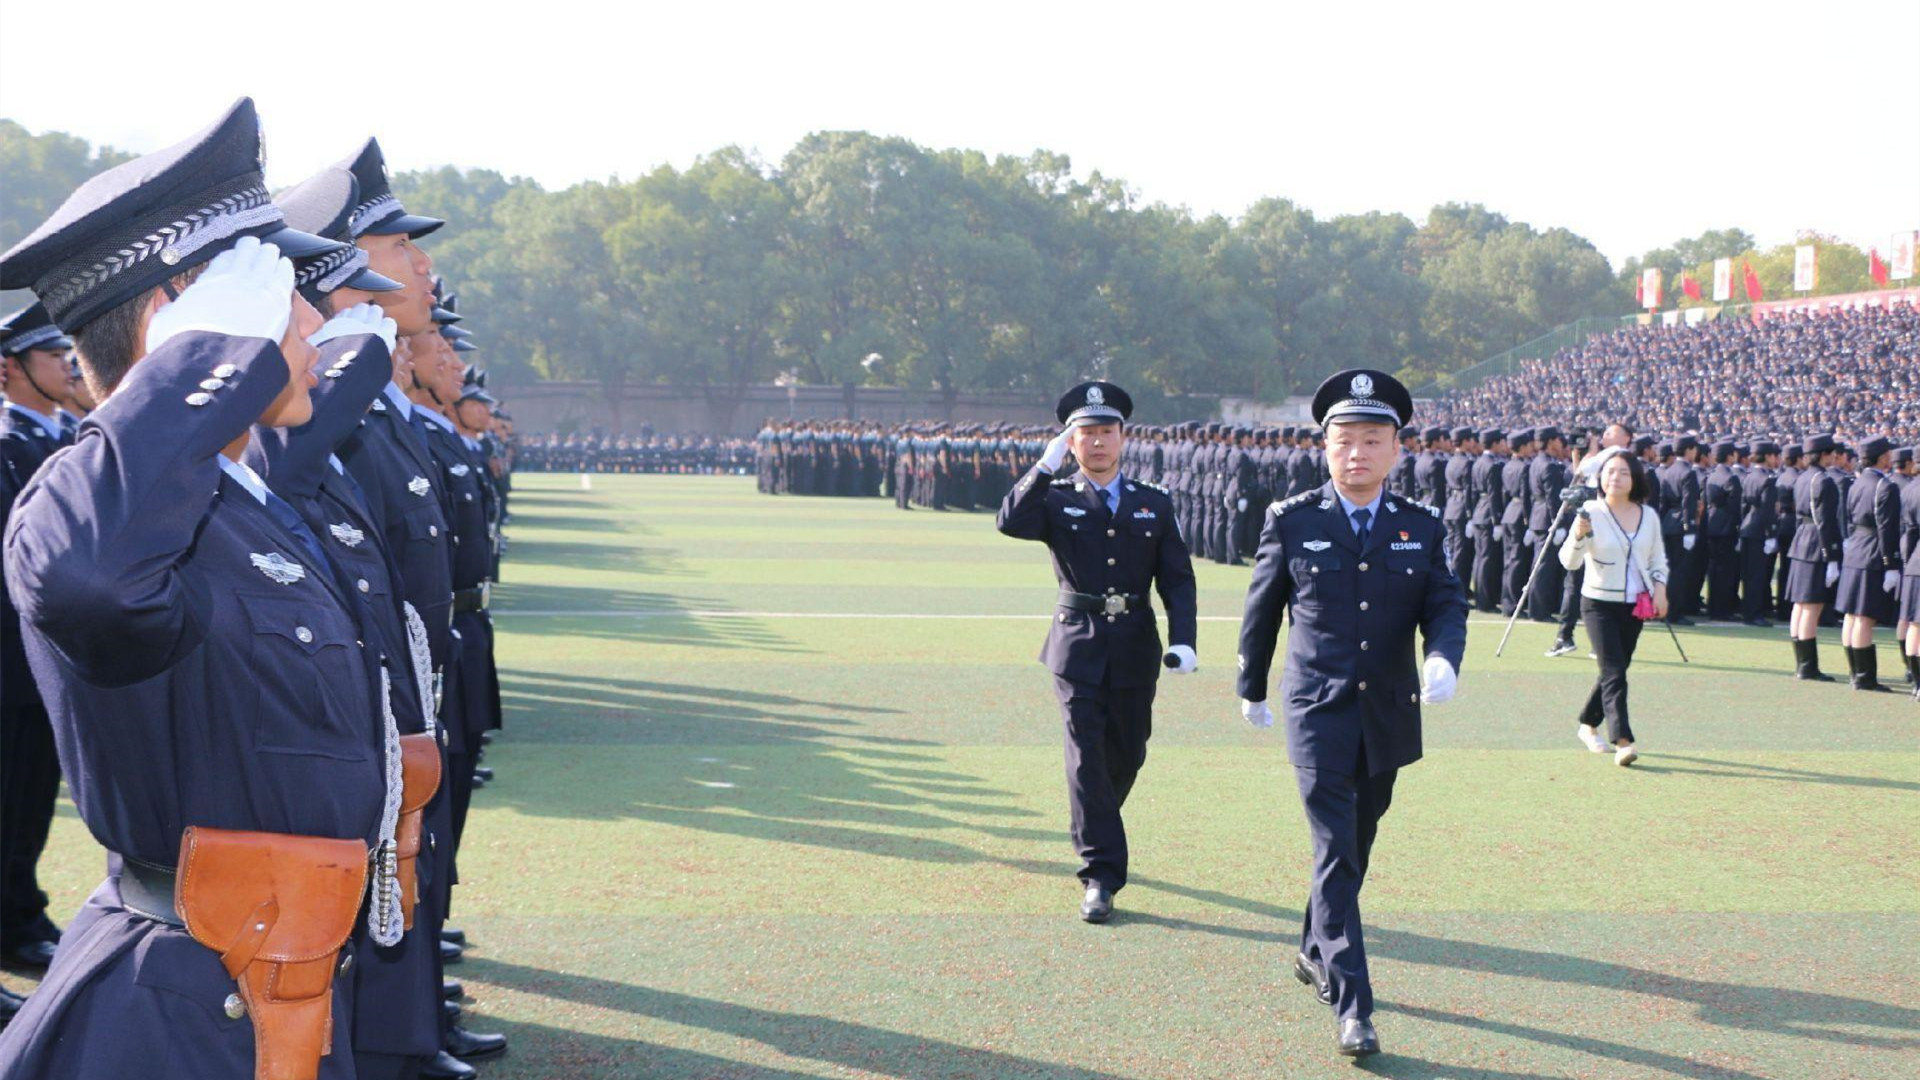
(1074, 511)
(347, 534)
(460, 470)
(1148, 514)
(277, 567)
(419, 486)
(1317, 545)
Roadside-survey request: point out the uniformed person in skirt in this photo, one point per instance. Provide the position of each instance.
(1112, 539)
(1869, 584)
(1362, 570)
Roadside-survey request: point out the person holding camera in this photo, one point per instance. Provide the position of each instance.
(1618, 545)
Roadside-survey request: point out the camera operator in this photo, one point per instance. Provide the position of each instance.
(1625, 564)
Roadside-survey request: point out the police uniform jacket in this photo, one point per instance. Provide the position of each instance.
(1679, 498)
(1817, 500)
(1757, 504)
(1459, 488)
(1094, 553)
(1352, 675)
(1489, 489)
(1430, 478)
(1723, 502)
(1546, 478)
(1873, 510)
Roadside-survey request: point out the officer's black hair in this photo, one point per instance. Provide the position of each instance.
(108, 344)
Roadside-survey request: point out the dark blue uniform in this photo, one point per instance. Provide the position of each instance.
(1105, 663)
(1351, 692)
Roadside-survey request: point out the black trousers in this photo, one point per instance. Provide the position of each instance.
(29, 788)
(1723, 577)
(1343, 816)
(1487, 564)
(1615, 633)
(1756, 578)
(1460, 552)
(1107, 728)
(1519, 563)
(1549, 584)
(1570, 600)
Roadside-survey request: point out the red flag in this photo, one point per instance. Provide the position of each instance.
(1689, 286)
(1754, 292)
(1876, 268)
(1639, 292)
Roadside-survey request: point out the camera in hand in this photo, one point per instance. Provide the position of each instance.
(1577, 494)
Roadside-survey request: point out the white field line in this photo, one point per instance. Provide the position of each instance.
(665, 613)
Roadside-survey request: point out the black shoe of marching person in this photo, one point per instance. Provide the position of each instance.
(483, 774)
(1561, 647)
(30, 955)
(1097, 906)
(452, 990)
(445, 1066)
(451, 953)
(454, 936)
(1313, 975)
(1358, 1039)
(468, 1046)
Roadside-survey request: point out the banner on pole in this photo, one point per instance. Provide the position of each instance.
(1722, 280)
(1903, 245)
(1650, 288)
(1806, 268)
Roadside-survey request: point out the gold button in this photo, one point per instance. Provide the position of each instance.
(1363, 566)
(1363, 605)
(234, 1007)
(1363, 684)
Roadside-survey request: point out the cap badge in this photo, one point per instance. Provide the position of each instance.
(277, 567)
(1095, 396)
(1362, 386)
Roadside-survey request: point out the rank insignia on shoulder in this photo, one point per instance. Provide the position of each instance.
(1298, 500)
(459, 470)
(277, 567)
(378, 405)
(347, 534)
(419, 486)
(1317, 545)
(1063, 481)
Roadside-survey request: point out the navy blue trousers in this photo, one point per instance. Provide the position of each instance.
(1343, 816)
(1107, 728)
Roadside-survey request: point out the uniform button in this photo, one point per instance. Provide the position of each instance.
(305, 635)
(234, 1007)
(1364, 646)
(225, 371)
(433, 530)
(198, 399)
(1413, 699)
(362, 585)
(1316, 569)
(346, 963)
(1363, 684)
(1062, 617)
(1363, 567)
(1109, 589)
(1109, 618)
(1363, 605)
(1110, 562)
(211, 384)
(431, 846)
(1109, 532)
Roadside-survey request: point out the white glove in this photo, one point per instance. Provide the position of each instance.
(1440, 681)
(1055, 454)
(1257, 713)
(1532, 538)
(1772, 545)
(1833, 574)
(1892, 582)
(1559, 536)
(356, 320)
(1241, 505)
(1687, 542)
(246, 291)
(1181, 659)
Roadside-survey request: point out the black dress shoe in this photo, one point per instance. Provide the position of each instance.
(478, 783)
(1097, 907)
(451, 990)
(1314, 975)
(483, 774)
(445, 1066)
(468, 1046)
(457, 936)
(450, 953)
(1358, 1039)
(451, 1010)
(30, 955)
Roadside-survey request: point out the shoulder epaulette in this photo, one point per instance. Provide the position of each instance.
(1065, 481)
(1418, 505)
(1299, 500)
(1161, 488)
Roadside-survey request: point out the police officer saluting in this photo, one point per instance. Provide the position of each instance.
(1111, 538)
(1362, 570)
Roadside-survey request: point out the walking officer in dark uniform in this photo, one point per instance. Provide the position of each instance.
(1362, 570)
(1112, 539)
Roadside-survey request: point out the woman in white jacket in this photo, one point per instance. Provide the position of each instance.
(1618, 542)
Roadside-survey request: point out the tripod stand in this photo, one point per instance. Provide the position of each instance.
(1570, 500)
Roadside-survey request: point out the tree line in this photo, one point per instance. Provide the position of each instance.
(862, 260)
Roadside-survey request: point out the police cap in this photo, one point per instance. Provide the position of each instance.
(30, 328)
(1362, 395)
(1093, 403)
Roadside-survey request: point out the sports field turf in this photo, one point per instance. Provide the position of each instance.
(780, 795)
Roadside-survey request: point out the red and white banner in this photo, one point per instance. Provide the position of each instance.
(1722, 280)
(1650, 288)
(1902, 250)
(1806, 268)
(1816, 305)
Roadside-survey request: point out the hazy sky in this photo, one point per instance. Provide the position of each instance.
(1632, 124)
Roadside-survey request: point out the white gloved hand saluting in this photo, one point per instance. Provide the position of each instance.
(1257, 713)
(1439, 679)
(1687, 541)
(1772, 545)
(1055, 455)
(1181, 660)
(246, 291)
(1833, 574)
(356, 320)
(1892, 582)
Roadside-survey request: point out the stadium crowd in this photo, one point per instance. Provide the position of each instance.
(646, 452)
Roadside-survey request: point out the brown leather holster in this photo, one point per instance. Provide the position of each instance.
(277, 909)
(419, 779)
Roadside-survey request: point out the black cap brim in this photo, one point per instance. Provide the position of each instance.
(370, 280)
(444, 317)
(413, 225)
(464, 346)
(295, 244)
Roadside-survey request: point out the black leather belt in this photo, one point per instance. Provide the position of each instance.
(147, 890)
(1109, 604)
(474, 599)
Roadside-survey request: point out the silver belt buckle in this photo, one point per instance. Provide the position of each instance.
(1116, 605)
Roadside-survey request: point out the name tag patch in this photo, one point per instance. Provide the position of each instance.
(1074, 511)
(1411, 545)
(1144, 514)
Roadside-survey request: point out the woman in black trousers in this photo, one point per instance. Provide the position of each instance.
(1618, 543)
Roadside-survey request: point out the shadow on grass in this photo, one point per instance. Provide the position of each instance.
(657, 618)
(1747, 770)
(822, 1040)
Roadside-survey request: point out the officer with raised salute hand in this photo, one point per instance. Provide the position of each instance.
(1112, 539)
(1362, 570)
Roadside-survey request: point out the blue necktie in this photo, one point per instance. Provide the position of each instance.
(286, 515)
(1113, 500)
(1361, 519)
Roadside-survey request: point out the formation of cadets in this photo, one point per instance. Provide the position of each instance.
(690, 455)
(254, 499)
(1812, 531)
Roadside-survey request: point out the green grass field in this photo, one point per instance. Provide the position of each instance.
(780, 795)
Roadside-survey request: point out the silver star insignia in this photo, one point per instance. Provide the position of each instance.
(277, 567)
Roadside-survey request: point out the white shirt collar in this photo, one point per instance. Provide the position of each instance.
(399, 401)
(47, 423)
(438, 419)
(248, 480)
(1373, 507)
(334, 460)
